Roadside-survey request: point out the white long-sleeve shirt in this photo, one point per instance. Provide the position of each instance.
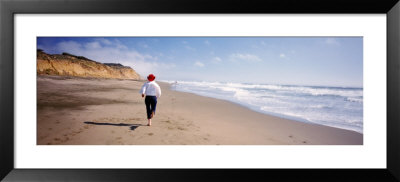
(151, 89)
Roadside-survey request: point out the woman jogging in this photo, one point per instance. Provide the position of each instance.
(152, 91)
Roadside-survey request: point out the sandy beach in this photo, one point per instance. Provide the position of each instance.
(89, 111)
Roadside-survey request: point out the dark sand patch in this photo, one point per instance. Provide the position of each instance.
(70, 101)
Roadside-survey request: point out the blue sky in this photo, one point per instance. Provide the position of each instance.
(326, 61)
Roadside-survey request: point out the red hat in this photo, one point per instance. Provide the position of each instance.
(151, 77)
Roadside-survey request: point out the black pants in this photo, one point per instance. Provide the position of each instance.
(151, 103)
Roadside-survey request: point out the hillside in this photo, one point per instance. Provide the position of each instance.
(70, 65)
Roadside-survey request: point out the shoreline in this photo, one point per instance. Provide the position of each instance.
(74, 111)
(282, 116)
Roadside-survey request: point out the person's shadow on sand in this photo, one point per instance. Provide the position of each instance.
(132, 126)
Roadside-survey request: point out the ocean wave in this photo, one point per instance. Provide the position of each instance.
(354, 99)
(339, 91)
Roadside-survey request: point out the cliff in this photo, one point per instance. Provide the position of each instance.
(71, 65)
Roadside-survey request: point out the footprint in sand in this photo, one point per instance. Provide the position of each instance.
(150, 134)
(294, 140)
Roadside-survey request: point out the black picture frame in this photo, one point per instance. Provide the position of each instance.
(9, 8)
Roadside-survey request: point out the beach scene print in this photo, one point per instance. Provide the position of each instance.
(199, 91)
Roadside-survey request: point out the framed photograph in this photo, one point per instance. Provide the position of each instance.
(242, 90)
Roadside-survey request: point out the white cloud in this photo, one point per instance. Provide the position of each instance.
(138, 56)
(93, 45)
(199, 64)
(106, 51)
(245, 57)
(67, 46)
(282, 55)
(144, 45)
(263, 43)
(332, 41)
(119, 45)
(216, 60)
(144, 67)
(207, 42)
(103, 41)
(186, 46)
(190, 48)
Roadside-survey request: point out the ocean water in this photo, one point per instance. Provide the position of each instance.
(338, 107)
